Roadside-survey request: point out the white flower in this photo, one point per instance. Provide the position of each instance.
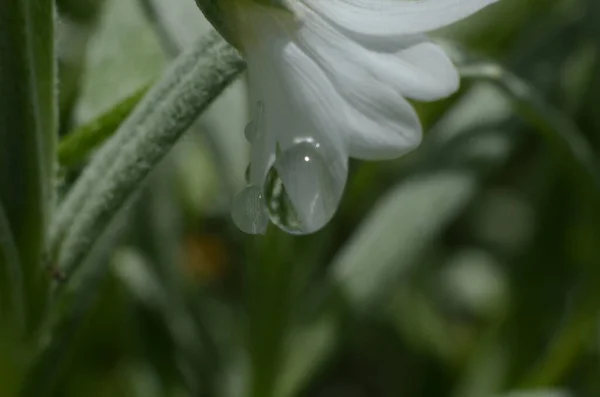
(335, 74)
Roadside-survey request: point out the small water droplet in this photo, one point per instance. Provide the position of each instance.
(248, 211)
(254, 127)
(251, 131)
(304, 188)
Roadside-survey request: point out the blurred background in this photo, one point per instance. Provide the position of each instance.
(468, 268)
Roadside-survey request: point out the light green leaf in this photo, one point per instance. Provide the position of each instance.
(306, 351)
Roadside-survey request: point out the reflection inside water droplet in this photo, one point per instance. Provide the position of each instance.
(304, 188)
(248, 211)
(279, 207)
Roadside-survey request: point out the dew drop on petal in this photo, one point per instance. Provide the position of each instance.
(304, 188)
(254, 127)
(251, 131)
(248, 211)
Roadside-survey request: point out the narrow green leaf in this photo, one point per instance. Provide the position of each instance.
(27, 126)
(213, 11)
(558, 129)
(78, 145)
(197, 78)
(306, 351)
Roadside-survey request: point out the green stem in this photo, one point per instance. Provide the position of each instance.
(269, 284)
(196, 79)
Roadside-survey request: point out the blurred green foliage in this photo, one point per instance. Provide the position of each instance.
(468, 268)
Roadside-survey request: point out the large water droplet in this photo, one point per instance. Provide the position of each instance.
(248, 211)
(304, 188)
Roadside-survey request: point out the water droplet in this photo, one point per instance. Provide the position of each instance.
(248, 211)
(304, 188)
(251, 131)
(254, 127)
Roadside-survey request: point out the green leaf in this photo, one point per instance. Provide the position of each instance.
(399, 228)
(556, 128)
(27, 126)
(78, 145)
(306, 351)
(213, 11)
(197, 78)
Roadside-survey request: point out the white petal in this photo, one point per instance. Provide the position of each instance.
(395, 17)
(363, 90)
(349, 104)
(412, 65)
(295, 107)
(374, 119)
